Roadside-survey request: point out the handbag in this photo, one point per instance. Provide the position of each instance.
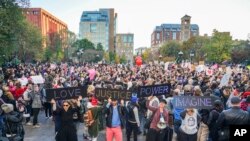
(15, 137)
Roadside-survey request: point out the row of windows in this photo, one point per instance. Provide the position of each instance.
(32, 12)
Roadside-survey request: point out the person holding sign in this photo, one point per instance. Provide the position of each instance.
(114, 114)
(159, 124)
(189, 125)
(67, 131)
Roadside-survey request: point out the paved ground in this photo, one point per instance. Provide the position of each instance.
(46, 131)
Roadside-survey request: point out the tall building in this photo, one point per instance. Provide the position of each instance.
(125, 45)
(46, 22)
(99, 27)
(178, 32)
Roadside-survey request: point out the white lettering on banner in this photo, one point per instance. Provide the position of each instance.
(155, 90)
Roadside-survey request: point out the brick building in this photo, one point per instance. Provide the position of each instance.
(46, 22)
(169, 32)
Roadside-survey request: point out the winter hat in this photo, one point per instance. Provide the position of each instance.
(134, 99)
(94, 101)
(7, 108)
(235, 100)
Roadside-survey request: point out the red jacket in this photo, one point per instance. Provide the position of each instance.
(19, 92)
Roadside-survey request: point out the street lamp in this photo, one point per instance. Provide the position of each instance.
(179, 60)
(191, 55)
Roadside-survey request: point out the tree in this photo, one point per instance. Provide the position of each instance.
(123, 59)
(219, 48)
(112, 56)
(197, 45)
(11, 24)
(170, 49)
(99, 47)
(240, 52)
(84, 44)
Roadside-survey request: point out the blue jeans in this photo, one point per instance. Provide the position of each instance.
(142, 121)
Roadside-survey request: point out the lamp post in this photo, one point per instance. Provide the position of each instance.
(179, 60)
(191, 55)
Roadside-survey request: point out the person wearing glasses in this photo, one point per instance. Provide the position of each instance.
(67, 131)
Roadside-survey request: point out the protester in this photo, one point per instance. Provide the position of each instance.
(67, 131)
(233, 116)
(189, 125)
(114, 123)
(36, 104)
(133, 122)
(159, 122)
(13, 123)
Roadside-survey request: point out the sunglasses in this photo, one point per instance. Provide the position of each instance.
(65, 105)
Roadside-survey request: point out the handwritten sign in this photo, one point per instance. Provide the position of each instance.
(198, 102)
(224, 80)
(65, 93)
(102, 93)
(23, 81)
(145, 91)
(38, 79)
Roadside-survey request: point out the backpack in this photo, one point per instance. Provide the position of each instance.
(88, 118)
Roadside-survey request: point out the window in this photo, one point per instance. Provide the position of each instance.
(130, 39)
(93, 27)
(157, 36)
(174, 35)
(35, 12)
(124, 39)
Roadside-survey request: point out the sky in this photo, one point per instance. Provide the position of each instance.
(142, 16)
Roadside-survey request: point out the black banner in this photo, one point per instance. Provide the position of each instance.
(65, 93)
(102, 93)
(145, 91)
(198, 102)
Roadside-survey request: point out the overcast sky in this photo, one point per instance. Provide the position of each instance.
(141, 16)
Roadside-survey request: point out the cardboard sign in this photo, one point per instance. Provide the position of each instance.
(209, 72)
(198, 102)
(102, 93)
(23, 81)
(224, 80)
(38, 79)
(145, 91)
(65, 93)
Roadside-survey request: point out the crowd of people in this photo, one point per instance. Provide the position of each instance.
(155, 117)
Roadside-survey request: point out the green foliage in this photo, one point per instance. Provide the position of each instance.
(219, 48)
(112, 56)
(99, 47)
(17, 36)
(123, 59)
(170, 49)
(197, 45)
(84, 44)
(240, 52)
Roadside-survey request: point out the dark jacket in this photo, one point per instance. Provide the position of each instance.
(233, 116)
(212, 119)
(13, 123)
(109, 114)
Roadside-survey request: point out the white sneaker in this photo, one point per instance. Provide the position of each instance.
(28, 124)
(36, 126)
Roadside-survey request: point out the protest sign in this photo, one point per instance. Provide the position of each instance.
(102, 93)
(209, 72)
(23, 81)
(224, 80)
(198, 102)
(38, 79)
(66, 93)
(145, 91)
